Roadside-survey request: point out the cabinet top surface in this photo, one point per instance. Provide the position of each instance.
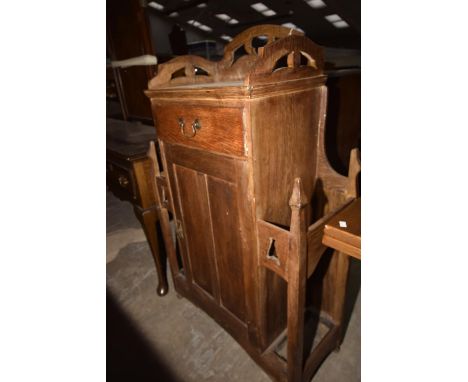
(208, 85)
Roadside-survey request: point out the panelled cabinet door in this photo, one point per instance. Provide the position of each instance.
(206, 199)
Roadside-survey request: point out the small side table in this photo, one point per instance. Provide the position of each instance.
(129, 172)
(343, 232)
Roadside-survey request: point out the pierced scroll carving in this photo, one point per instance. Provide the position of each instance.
(292, 47)
(257, 62)
(245, 38)
(274, 247)
(195, 69)
(271, 252)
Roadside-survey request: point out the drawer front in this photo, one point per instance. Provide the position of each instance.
(217, 129)
(122, 182)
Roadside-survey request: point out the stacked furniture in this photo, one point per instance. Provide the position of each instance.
(244, 174)
(129, 177)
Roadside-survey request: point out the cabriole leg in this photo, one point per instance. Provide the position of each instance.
(149, 219)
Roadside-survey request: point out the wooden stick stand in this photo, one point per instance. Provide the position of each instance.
(298, 253)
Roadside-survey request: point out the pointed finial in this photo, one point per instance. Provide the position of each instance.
(298, 197)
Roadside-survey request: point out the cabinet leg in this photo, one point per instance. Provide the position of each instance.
(149, 219)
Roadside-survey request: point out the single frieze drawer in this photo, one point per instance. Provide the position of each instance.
(217, 129)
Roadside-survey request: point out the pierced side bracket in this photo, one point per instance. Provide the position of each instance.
(338, 189)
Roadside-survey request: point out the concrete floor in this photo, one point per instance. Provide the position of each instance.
(151, 338)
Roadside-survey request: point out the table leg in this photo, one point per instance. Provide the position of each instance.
(149, 219)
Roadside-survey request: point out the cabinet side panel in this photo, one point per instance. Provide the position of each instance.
(284, 135)
(275, 305)
(225, 218)
(197, 226)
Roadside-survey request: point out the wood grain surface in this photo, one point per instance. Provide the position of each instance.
(221, 127)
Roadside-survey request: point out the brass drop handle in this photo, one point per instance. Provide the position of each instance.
(196, 125)
(123, 181)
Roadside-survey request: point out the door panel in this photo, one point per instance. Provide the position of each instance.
(206, 193)
(197, 225)
(227, 241)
